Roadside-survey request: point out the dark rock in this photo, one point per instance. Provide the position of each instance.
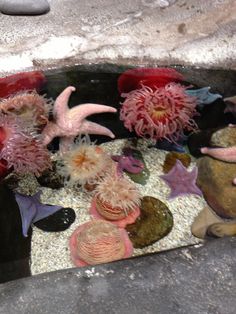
(50, 178)
(215, 179)
(24, 7)
(155, 222)
(171, 158)
(212, 116)
(14, 247)
(198, 140)
(59, 221)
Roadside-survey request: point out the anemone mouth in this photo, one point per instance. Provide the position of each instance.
(97, 242)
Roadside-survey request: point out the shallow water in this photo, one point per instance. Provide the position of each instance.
(98, 84)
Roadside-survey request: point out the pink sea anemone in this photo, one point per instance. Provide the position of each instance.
(29, 106)
(84, 163)
(117, 200)
(97, 242)
(21, 149)
(159, 113)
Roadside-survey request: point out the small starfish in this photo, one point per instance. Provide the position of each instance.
(204, 97)
(128, 163)
(69, 123)
(181, 181)
(32, 210)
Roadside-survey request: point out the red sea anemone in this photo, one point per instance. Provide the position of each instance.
(97, 242)
(21, 149)
(159, 113)
(152, 77)
(15, 83)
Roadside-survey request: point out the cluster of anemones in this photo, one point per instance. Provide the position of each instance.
(156, 105)
(21, 148)
(22, 113)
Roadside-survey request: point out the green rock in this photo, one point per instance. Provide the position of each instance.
(154, 223)
(143, 176)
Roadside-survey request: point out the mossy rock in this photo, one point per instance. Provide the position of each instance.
(144, 175)
(171, 159)
(154, 223)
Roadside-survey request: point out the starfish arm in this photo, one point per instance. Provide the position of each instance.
(60, 107)
(225, 154)
(88, 127)
(65, 143)
(231, 100)
(50, 131)
(77, 114)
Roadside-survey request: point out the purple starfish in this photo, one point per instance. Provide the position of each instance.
(128, 163)
(181, 181)
(32, 210)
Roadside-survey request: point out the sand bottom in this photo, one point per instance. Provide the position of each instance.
(50, 251)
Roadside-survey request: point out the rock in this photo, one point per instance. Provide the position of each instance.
(24, 7)
(225, 137)
(14, 247)
(171, 158)
(198, 140)
(50, 178)
(155, 222)
(57, 222)
(143, 176)
(215, 179)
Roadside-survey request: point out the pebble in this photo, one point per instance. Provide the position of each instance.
(24, 7)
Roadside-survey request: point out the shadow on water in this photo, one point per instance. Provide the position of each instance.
(94, 84)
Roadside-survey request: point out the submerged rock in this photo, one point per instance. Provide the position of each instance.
(171, 158)
(50, 178)
(24, 7)
(225, 137)
(155, 222)
(198, 140)
(57, 222)
(215, 179)
(143, 176)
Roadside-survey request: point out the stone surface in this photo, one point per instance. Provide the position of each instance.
(215, 180)
(191, 33)
(196, 280)
(24, 7)
(225, 137)
(154, 223)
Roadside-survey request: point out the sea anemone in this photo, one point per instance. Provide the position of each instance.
(159, 113)
(29, 106)
(21, 148)
(117, 200)
(97, 242)
(84, 164)
(15, 83)
(152, 77)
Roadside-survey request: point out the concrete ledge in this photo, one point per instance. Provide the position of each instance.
(200, 33)
(194, 280)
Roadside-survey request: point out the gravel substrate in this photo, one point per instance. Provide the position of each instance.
(50, 251)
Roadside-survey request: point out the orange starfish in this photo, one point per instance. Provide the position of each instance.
(69, 123)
